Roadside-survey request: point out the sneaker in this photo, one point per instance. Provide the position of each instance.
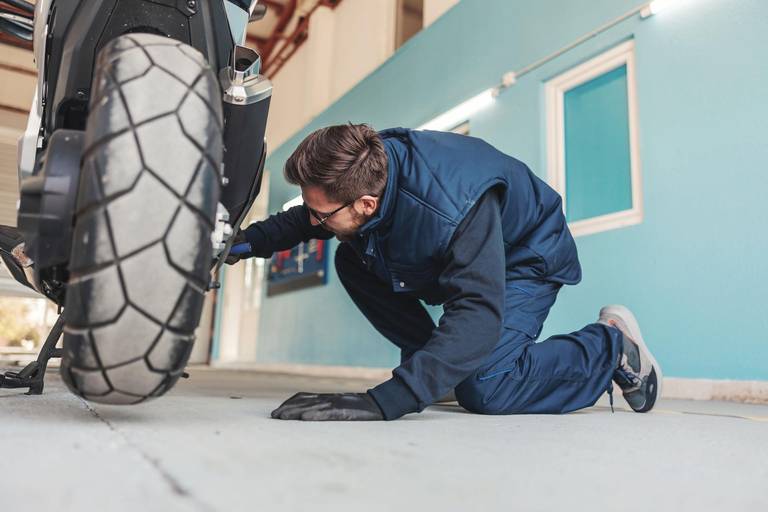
(638, 374)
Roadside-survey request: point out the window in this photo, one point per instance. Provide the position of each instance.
(462, 129)
(592, 148)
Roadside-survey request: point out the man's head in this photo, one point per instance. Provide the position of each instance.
(341, 169)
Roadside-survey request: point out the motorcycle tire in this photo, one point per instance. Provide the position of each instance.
(146, 206)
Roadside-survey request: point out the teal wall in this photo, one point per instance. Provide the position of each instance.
(694, 271)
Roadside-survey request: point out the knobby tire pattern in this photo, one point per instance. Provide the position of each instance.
(141, 250)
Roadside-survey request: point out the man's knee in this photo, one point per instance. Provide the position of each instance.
(473, 396)
(495, 395)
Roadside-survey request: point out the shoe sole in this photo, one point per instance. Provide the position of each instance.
(634, 332)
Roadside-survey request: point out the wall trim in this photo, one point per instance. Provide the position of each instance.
(306, 370)
(746, 391)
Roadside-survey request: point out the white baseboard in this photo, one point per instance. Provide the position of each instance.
(748, 391)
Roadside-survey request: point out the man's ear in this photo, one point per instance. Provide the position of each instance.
(368, 204)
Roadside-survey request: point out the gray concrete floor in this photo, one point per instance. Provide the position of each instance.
(210, 445)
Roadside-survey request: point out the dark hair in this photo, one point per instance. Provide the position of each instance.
(347, 161)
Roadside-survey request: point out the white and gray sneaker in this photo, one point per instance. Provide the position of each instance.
(637, 374)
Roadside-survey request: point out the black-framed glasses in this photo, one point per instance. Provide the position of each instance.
(321, 218)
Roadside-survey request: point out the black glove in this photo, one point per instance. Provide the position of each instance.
(234, 258)
(329, 407)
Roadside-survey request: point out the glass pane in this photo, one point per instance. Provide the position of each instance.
(597, 160)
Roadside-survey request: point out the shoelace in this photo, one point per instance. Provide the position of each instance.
(628, 376)
(610, 395)
(625, 376)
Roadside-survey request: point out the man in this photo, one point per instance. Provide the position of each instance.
(450, 220)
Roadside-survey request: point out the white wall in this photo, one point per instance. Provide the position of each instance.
(344, 45)
(16, 90)
(241, 307)
(16, 86)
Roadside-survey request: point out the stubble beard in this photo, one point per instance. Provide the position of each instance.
(349, 235)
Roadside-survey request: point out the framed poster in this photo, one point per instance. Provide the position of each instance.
(301, 267)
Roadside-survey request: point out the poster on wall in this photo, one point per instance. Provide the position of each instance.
(301, 267)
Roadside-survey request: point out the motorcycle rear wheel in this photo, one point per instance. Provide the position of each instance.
(141, 249)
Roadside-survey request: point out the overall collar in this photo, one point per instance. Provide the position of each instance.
(394, 141)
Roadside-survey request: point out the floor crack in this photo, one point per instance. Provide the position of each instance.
(176, 487)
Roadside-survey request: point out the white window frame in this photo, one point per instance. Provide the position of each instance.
(462, 128)
(555, 89)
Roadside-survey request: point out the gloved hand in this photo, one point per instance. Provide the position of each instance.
(329, 407)
(234, 258)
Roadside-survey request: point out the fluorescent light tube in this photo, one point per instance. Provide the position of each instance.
(461, 112)
(655, 7)
(296, 201)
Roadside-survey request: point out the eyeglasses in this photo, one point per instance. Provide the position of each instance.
(321, 218)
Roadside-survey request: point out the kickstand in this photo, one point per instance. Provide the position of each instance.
(32, 376)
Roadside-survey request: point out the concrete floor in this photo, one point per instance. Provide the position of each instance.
(210, 445)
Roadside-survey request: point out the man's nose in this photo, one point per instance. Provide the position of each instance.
(313, 221)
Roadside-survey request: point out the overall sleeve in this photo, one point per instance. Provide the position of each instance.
(282, 231)
(472, 284)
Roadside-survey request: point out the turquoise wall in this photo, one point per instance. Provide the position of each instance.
(694, 271)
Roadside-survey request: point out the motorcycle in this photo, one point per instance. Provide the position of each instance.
(143, 152)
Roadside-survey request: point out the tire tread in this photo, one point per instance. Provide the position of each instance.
(86, 341)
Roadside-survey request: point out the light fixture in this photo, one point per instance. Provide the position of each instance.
(461, 112)
(296, 201)
(508, 79)
(655, 7)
